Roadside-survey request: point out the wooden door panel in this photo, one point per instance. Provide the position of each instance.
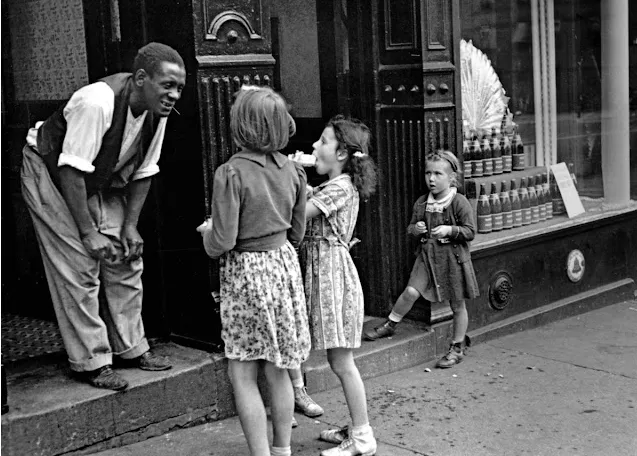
(436, 31)
(232, 27)
(400, 31)
(416, 94)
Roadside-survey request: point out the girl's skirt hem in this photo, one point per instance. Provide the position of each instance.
(456, 281)
(264, 357)
(263, 309)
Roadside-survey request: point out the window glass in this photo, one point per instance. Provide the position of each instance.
(502, 31)
(578, 91)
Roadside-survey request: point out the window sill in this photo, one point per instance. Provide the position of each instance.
(596, 211)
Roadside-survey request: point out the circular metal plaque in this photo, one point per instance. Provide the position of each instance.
(500, 290)
(575, 265)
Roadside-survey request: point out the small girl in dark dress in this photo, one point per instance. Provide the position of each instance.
(443, 222)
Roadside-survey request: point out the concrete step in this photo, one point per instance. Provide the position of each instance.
(52, 413)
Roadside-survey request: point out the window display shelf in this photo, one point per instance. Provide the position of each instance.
(595, 212)
(472, 185)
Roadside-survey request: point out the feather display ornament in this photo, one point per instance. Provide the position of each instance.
(484, 100)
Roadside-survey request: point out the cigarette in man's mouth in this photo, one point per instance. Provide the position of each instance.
(175, 109)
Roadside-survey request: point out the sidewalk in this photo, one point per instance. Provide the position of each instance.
(567, 388)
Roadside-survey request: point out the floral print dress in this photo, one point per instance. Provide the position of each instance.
(261, 313)
(332, 287)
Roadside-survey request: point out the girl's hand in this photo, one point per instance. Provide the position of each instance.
(309, 191)
(441, 231)
(420, 228)
(206, 225)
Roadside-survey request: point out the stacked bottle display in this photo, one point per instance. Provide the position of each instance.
(508, 206)
(492, 153)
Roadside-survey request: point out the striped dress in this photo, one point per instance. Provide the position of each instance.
(332, 287)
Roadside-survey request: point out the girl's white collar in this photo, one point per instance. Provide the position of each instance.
(446, 201)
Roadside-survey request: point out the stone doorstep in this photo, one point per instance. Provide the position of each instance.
(52, 414)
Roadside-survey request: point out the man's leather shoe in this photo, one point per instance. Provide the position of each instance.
(106, 378)
(151, 362)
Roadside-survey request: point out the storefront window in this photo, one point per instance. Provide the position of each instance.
(502, 31)
(578, 80)
(550, 59)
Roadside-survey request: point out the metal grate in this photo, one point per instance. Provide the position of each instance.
(25, 338)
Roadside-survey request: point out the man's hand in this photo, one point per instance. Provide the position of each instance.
(132, 243)
(99, 246)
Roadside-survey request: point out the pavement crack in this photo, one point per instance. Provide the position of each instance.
(581, 366)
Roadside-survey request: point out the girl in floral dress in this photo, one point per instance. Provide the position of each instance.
(332, 286)
(258, 217)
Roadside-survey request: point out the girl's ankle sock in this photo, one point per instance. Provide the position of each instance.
(395, 318)
(362, 429)
(281, 451)
(298, 383)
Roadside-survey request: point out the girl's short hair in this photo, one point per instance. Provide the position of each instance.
(449, 158)
(260, 121)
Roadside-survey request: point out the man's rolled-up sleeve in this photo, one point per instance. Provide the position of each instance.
(88, 116)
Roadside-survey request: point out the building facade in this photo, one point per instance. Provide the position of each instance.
(568, 70)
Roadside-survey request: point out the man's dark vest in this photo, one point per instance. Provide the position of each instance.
(51, 137)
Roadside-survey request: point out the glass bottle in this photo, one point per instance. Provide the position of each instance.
(525, 203)
(517, 148)
(477, 169)
(540, 197)
(496, 208)
(496, 153)
(503, 123)
(487, 157)
(556, 196)
(507, 211)
(507, 163)
(548, 201)
(516, 208)
(485, 224)
(535, 209)
(466, 159)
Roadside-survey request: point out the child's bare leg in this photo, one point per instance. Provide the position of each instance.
(296, 376)
(342, 363)
(360, 436)
(282, 404)
(460, 320)
(403, 304)
(457, 348)
(243, 376)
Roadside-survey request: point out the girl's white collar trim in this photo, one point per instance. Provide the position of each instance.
(446, 201)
